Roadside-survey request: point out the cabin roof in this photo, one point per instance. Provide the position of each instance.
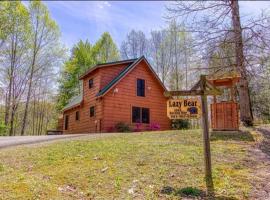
(124, 72)
(131, 63)
(75, 101)
(100, 65)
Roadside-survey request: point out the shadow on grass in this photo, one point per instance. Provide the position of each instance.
(183, 192)
(232, 135)
(191, 193)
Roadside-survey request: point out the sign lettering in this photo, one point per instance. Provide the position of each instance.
(184, 108)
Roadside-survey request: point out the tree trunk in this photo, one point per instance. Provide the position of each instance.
(244, 98)
(11, 76)
(35, 49)
(27, 101)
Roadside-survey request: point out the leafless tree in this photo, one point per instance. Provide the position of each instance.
(135, 45)
(213, 21)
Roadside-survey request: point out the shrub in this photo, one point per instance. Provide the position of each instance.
(110, 129)
(3, 129)
(189, 191)
(138, 127)
(122, 127)
(154, 127)
(181, 124)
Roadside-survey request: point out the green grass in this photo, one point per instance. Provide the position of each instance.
(127, 166)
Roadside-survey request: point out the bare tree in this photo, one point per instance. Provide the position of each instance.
(44, 41)
(13, 59)
(211, 21)
(135, 45)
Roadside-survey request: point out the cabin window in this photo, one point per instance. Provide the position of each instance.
(92, 111)
(136, 114)
(91, 83)
(145, 115)
(77, 115)
(140, 115)
(66, 122)
(140, 87)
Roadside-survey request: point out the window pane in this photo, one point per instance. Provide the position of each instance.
(77, 115)
(66, 122)
(92, 111)
(145, 115)
(136, 115)
(140, 87)
(91, 83)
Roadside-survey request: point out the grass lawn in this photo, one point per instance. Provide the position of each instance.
(156, 165)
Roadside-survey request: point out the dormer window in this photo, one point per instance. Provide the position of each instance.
(140, 87)
(91, 83)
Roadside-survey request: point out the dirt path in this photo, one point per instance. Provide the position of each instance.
(260, 155)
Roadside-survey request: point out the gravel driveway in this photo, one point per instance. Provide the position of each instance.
(9, 141)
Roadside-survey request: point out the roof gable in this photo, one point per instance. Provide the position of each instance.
(97, 66)
(123, 73)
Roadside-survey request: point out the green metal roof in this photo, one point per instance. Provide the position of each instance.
(74, 101)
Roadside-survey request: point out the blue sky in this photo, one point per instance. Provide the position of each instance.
(89, 19)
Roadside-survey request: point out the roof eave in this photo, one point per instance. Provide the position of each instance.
(105, 65)
(73, 106)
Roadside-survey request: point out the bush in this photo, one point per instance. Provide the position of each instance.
(122, 127)
(154, 127)
(181, 124)
(3, 129)
(138, 127)
(189, 191)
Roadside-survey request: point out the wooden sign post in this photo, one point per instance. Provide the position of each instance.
(202, 88)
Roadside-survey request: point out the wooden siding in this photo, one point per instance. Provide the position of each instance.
(117, 105)
(109, 73)
(224, 116)
(86, 124)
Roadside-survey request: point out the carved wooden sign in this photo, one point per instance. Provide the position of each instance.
(184, 108)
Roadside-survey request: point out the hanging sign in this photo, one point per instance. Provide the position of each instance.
(184, 108)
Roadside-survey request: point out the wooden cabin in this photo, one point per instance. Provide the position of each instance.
(126, 91)
(225, 112)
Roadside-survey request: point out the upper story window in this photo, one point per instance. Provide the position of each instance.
(91, 83)
(77, 115)
(92, 111)
(141, 87)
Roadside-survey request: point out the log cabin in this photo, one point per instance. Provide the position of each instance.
(127, 91)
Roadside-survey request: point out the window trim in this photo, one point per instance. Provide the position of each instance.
(140, 121)
(77, 117)
(136, 83)
(94, 114)
(66, 122)
(90, 86)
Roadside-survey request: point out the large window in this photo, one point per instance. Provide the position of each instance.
(91, 83)
(145, 115)
(92, 111)
(140, 87)
(140, 115)
(77, 115)
(66, 122)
